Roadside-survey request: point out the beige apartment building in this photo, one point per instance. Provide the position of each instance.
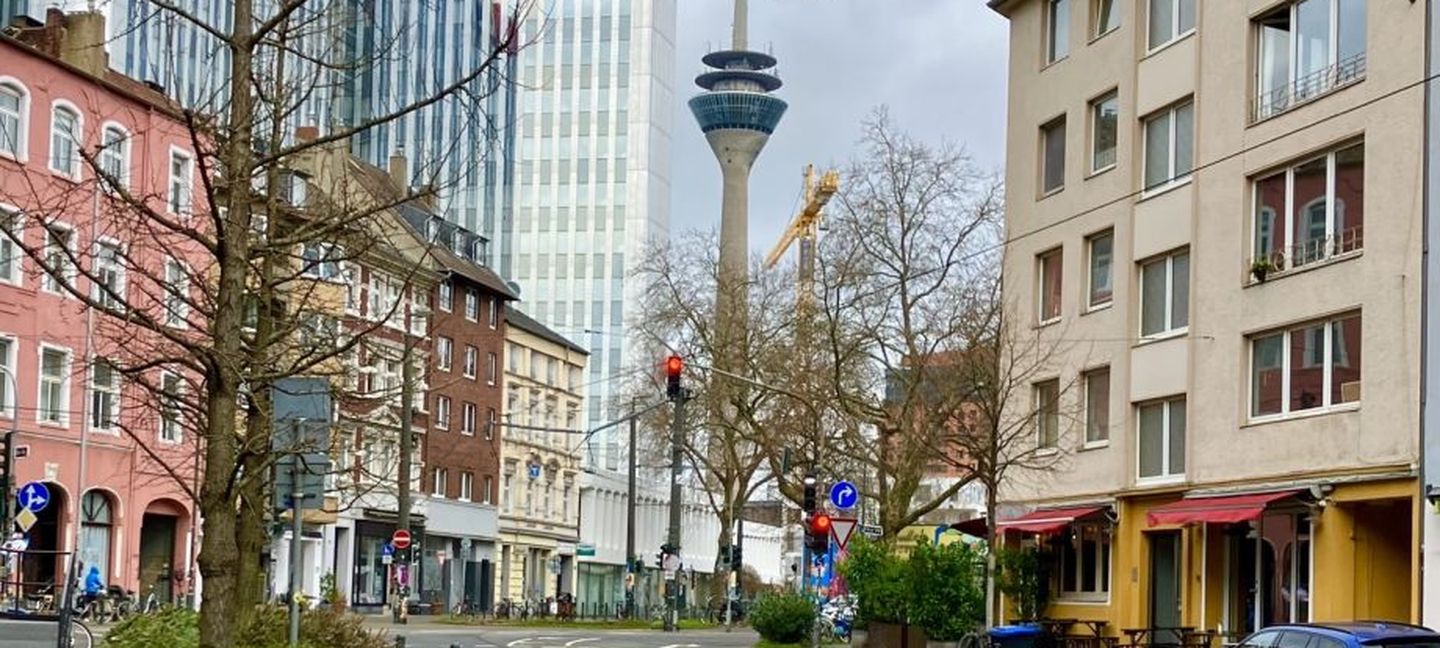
(539, 463)
(1188, 188)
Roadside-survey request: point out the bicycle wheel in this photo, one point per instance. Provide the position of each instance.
(80, 636)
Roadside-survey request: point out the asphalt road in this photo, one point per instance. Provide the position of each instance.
(483, 637)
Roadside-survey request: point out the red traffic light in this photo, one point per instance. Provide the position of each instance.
(674, 365)
(820, 524)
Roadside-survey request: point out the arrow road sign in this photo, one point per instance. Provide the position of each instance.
(840, 530)
(844, 495)
(34, 496)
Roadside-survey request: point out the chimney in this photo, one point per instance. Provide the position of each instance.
(400, 170)
(78, 39)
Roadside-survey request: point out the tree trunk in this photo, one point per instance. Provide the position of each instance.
(991, 601)
(251, 536)
(219, 554)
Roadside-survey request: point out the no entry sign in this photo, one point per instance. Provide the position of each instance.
(401, 539)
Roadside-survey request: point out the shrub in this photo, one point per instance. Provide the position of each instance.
(267, 627)
(947, 598)
(880, 581)
(1021, 577)
(783, 618)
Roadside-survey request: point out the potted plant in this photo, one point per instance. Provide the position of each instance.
(947, 596)
(1261, 268)
(330, 593)
(880, 582)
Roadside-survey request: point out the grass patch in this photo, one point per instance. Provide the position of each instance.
(765, 643)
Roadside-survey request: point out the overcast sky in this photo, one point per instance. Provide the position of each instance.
(938, 64)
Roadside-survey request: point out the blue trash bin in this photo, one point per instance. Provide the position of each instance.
(1015, 636)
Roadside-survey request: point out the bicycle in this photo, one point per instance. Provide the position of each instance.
(975, 640)
(80, 635)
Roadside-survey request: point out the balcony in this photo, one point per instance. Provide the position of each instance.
(1308, 254)
(1310, 87)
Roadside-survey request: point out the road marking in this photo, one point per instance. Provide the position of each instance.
(682, 646)
(569, 644)
(517, 642)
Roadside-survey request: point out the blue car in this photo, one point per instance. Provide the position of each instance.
(1356, 634)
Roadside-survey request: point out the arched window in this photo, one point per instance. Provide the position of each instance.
(65, 141)
(97, 519)
(115, 156)
(14, 119)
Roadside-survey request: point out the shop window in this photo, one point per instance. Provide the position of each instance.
(1082, 562)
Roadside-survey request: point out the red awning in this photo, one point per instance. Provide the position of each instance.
(1216, 510)
(976, 528)
(1047, 521)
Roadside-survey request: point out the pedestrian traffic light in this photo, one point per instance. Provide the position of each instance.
(674, 366)
(817, 533)
(808, 503)
(7, 463)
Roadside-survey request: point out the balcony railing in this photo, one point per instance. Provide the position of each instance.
(1308, 252)
(1309, 87)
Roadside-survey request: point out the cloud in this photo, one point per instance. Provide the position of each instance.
(939, 65)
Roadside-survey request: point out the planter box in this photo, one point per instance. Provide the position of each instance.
(894, 635)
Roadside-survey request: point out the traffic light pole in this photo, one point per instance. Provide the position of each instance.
(630, 557)
(672, 584)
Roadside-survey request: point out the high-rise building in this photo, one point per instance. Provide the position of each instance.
(1214, 213)
(593, 180)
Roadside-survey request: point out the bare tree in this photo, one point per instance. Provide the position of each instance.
(225, 279)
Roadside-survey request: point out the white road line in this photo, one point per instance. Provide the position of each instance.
(570, 644)
(682, 646)
(517, 642)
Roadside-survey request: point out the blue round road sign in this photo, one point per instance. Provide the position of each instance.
(33, 496)
(844, 495)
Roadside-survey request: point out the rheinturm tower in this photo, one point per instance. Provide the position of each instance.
(737, 114)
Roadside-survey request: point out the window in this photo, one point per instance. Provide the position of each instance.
(1311, 211)
(8, 376)
(177, 294)
(1165, 294)
(444, 348)
(59, 266)
(439, 480)
(472, 360)
(10, 253)
(104, 396)
(485, 495)
(1309, 367)
(1169, 145)
(442, 412)
(1106, 17)
(419, 319)
(1102, 262)
(1097, 406)
(495, 306)
(65, 137)
(1305, 50)
(492, 421)
(1057, 27)
(14, 120)
(1104, 131)
(115, 156)
(446, 299)
(467, 419)
(1162, 439)
(1052, 145)
(472, 306)
(1047, 414)
(1082, 562)
(321, 261)
(492, 368)
(467, 486)
(1169, 20)
(181, 180)
(54, 386)
(1051, 273)
(108, 288)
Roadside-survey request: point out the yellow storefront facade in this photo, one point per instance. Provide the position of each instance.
(1318, 551)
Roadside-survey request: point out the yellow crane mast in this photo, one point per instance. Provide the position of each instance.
(805, 228)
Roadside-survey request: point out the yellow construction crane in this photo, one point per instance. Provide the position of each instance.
(805, 227)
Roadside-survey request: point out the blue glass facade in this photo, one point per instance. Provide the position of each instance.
(742, 110)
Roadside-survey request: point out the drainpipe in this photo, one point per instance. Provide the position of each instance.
(1429, 310)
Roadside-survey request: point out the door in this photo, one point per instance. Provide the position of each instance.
(1165, 587)
(157, 555)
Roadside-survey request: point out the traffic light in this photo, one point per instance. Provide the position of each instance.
(808, 505)
(673, 368)
(735, 561)
(7, 464)
(817, 533)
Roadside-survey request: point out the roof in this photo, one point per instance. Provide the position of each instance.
(515, 317)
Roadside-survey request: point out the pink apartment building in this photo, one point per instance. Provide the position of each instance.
(68, 373)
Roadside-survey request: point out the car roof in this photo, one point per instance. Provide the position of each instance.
(1368, 632)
